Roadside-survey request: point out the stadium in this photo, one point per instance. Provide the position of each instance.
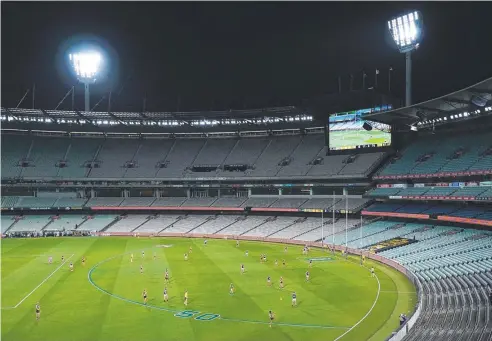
(298, 222)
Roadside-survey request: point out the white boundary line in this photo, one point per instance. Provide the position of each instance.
(367, 314)
(44, 280)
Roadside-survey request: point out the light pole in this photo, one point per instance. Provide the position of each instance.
(406, 31)
(87, 65)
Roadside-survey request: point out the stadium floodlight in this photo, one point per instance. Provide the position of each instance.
(86, 65)
(406, 31)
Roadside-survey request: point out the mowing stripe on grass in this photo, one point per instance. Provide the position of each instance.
(42, 282)
(367, 314)
(89, 277)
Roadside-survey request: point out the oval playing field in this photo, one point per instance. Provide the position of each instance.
(103, 299)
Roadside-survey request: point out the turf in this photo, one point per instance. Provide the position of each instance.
(102, 300)
(339, 139)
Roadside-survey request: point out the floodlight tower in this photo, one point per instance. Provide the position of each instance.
(86, 65)
(406, 31)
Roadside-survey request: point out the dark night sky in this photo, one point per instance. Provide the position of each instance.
(229, 55)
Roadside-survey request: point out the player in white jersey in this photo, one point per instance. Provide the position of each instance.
(242, 269)
(294, 299)
(186, 256)
(166, 298)
(143, 254)
(247, 253)
(372, 272)
(237, 243)
(71, 266)
(50, 260)
(307, 276)
(131, 258)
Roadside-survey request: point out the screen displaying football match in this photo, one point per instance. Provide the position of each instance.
(349, 130)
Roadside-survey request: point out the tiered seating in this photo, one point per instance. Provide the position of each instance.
(97, 222)
(355, 234)
(440, 191)
(339, 226)
(186, 224)
(181, 156)
(413, 191)
(33, 223)
(455, 308)
(279, 148)
(299, 227)
(214, 152)
(169, 201)
(33, 202)
(259, 202)
(157, 223)
(128, 223)
(443, 154)
(46, 152)
(66, 222)
(109, 202)
(288, 203)
(138, 201)
(19, 147)
(320, 203)
(383, 192)
(146, 159)
(305, 152)
(203, 202)
(70, 202)
(6, 222)
(242, 226)
(80, 151)
(229, 202)
(9, 202)
(271, 226)
(469, 191)
(214, 225)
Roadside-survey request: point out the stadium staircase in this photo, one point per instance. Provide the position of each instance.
(256, 226)
(134, 157)
(147, 220)
(48, 224)
(290, 154)
(262, 152)
(314, 228)
(234, 222)
(27, 157)
(93, 160)
(206, 221)
(171, 224)
(109, 225)
(300, 220)
(10, 226)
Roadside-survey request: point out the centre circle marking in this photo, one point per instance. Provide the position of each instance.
(205, 316)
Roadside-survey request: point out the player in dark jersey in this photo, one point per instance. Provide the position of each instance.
(71, 266)
(231, 289)
(83, 260)
(310, 263)
(294, 299)
(271, 316)
(166, 276)
(141, 269)
(283, 262)
(281, 282)
(38, 311)
(63, 258)
(269, 281)
(307, 276)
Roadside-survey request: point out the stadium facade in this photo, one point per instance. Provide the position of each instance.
(423, 202)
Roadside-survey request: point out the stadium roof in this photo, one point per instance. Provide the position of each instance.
(475, 97)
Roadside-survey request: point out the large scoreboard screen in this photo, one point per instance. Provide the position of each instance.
(350, 130)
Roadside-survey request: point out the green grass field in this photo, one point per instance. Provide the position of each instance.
(103, 299)
(339, 139)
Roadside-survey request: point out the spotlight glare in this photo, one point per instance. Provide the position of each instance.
(86, 65)
(406, 31)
